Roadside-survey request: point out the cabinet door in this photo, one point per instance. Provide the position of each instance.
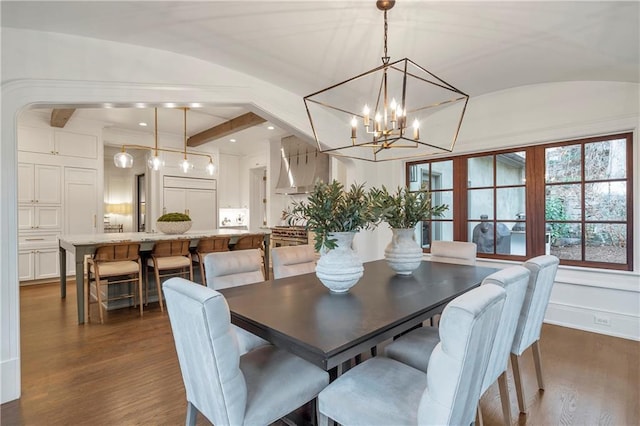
(48, 217)
(47, 184)
(35, 139)
(201, 207)
(175, 200)
(26, 265)
(26, 218)
(26, 184)
(46, 263)
(76, 145)
(80, 201)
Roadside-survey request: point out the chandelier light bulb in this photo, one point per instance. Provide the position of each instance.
(416, 129)
(154, 163)
(185, 166)
(365, 114)
(354, 126)
(123, 160)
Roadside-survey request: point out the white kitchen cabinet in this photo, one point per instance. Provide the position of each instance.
(39, 183)
(38, 264)
(57, 142)
(229, 195)
(193, 196)
(44, 218)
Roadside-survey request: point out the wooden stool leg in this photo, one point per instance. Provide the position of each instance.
(535, 347)
(98, 295)
(518, 382)
(158, 285)
(203, 277)
(140, 288)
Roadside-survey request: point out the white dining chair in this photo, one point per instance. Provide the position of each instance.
(543, 273)
(415, 347)
(293, 260)
(460, 252)
(232, 269)
(257, 388)
(383, 391)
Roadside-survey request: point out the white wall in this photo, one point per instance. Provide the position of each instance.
(58, 69)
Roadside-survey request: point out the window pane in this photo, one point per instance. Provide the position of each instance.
(481, 233)
(563, 164)
(480, 171)
(418, 174)
(566, 240)
(442, 175)
(605, 201)
(510, 203)
(606, 243)
(480, 204)
(605, 160)
(444, 197)
(441, 231)
(518, 239)
(562, 202)
(510, 168)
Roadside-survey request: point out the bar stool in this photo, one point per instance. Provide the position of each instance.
(209, 245)
(172, 256)
(114, 264)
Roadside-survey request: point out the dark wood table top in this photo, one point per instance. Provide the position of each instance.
(301, 315)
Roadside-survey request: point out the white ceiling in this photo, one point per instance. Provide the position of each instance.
(479, 47)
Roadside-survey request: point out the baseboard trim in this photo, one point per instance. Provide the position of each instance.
(621, 325)
(9, 380)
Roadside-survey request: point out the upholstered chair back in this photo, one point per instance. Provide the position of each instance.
(514, 280)
(543, 273)
(459, 362)
(233, 268)
(460, 252)
(293, 260)
(207, 351)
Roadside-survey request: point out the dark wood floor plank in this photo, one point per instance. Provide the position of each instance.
(126, 372)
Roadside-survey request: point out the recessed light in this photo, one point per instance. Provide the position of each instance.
(270, 127)
(232, 140)
(143, 124)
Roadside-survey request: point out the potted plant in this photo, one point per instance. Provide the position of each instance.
(403, 210)
(335, 215)
(174, 223)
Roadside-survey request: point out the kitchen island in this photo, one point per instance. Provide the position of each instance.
(85, 244)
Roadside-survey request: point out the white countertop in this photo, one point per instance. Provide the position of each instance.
(76, 239)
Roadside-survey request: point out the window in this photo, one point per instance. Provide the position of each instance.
(570, 199)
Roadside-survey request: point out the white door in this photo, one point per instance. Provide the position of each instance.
(26, 218)
(26, 184)
(47, 184)
(48, 217)
(47, 263)
(201, 207)
(26, 266)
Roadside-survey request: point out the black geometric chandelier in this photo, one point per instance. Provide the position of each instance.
(395, 111)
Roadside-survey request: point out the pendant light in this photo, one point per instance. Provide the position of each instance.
(154, 162)
(185, 165)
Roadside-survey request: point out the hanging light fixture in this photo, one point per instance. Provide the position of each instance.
(185, 165)
(154, 162)
(124, 160)
(394, 111)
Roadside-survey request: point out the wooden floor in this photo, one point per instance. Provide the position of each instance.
(126, 372)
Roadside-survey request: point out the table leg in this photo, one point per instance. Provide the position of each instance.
(267, 249)
(63, 273)
(80, 286)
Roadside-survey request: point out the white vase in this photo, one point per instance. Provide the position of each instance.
(403, 254)
(340, 268)
(174, 227)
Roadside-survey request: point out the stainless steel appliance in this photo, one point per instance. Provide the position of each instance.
(289, 236)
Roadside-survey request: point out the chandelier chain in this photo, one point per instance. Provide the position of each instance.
(385, 58)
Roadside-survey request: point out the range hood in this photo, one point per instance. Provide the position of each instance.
(301, 165)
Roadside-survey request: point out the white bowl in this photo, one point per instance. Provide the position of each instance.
(174, 227)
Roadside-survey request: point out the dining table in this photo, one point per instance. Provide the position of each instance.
(328, 329)
(81, 245)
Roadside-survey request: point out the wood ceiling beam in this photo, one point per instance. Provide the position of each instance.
(234, 125)
(59, 117)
